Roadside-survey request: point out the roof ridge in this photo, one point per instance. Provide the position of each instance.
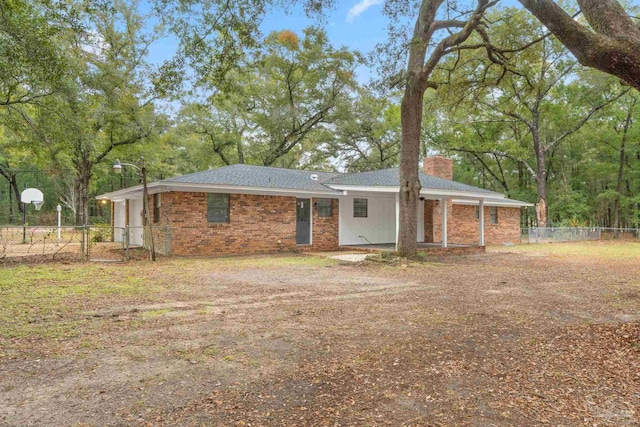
(278, 167)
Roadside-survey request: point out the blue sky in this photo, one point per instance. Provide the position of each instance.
(361, 30)
(357, 24)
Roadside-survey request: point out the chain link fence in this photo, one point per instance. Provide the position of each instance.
(570, 234)
(94, 243)
(20, 242)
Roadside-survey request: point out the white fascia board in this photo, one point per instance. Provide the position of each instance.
(459, 194)
(364, 189)
(492, 202)
(120, 195)
(163, 187)
(428, 193)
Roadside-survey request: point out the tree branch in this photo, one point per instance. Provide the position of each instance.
(582, 121)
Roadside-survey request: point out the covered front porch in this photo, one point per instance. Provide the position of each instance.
(371, 221)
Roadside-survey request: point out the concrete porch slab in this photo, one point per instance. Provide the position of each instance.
(431, 248)
(350, 257)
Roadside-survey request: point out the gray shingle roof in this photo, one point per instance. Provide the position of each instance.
(258, 176)
(391, 178)
(295, 179)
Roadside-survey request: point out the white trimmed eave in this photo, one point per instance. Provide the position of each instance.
(427, 193)
(163, 187)
(459, 197)
(507, 203)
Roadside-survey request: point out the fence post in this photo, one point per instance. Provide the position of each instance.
(82, 243)
(88, 244)
(126, 242)
(167, 242)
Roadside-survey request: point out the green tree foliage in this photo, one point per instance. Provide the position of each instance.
(368, 136)
(277, 107)
(31, 60)
(523, 104)
(104, 101)
(31, 63)
(76, 92)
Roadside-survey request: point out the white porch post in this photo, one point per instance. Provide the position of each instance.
(444, 222)
(481, 220)
(397, 218)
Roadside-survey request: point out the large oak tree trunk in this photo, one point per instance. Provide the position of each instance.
(622, 159)
(83, 176)
(411, 114)
(13, 183)
(616, 205)
(541, 183)
(417, 81)
(11, 177)
(541, 172)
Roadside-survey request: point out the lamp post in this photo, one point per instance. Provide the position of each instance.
(117, 168)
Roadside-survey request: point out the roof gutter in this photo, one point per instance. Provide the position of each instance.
(163, 187)
(493, 202)
(423, 192)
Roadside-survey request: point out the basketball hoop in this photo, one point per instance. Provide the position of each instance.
(32, 195)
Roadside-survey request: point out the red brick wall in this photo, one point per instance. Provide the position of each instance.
(429, 206)
(507, 229)
(325, 229)
(463, 227)
(256, 224)
(433, 220)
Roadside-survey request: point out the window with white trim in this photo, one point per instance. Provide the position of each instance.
(493, 214)
(156, 208)
(217, 207)
(360, 208)
(324, 207)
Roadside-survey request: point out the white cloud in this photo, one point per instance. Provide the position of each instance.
(359, 8)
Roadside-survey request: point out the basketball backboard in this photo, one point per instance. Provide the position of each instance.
(32, 195)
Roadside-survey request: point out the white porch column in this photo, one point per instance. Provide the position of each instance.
(397, 218)
(481, 220)
(420, 235)
(444, 222)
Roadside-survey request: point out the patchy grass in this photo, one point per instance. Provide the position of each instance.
(43, 301)
(155, 313)
(51, 300)
(606, 250)
(536, 332)
(278, 260)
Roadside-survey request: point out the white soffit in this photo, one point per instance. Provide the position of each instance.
(492, 202)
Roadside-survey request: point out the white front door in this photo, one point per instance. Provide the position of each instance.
(136, 231)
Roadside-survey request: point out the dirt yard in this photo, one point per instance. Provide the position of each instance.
(525, 335)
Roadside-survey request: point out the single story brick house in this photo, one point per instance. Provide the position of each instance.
(243, 209)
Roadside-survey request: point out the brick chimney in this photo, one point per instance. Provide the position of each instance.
(438, 166)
